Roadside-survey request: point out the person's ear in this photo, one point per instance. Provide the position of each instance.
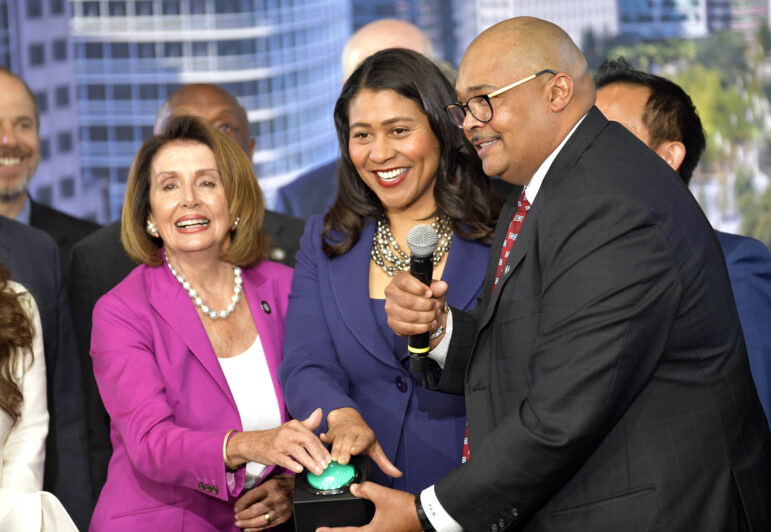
(673, 152)
(560, 90)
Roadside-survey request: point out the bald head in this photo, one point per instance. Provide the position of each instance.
(526, 45)
(541, 88)
(380, 35)
(215, 105)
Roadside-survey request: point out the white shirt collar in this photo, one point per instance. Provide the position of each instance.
(532, 188)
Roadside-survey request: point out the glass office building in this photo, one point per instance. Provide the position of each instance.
(663, 19)
(280, 58)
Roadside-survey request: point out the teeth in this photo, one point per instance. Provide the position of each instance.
(192, 223)
(391, 174)
(9, 161)
(486, 143)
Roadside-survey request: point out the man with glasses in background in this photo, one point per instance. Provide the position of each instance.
(606, 378)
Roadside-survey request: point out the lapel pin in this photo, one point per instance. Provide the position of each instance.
(266, 307)
(277, 254)
(506, 269)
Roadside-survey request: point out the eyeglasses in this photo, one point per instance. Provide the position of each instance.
(480, 106)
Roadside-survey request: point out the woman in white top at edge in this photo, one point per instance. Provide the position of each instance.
(186, 349)
(23, 416)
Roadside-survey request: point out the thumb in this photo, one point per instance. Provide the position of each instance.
(314, 420)
(380, 458)
(438, 289)
(365, 490)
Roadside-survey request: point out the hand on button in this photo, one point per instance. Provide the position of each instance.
(349, 434)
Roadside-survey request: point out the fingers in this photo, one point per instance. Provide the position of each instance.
(251, 496)
(349, 434)
(292, 445)
(410, 306)
(379, 457)
(276, 504)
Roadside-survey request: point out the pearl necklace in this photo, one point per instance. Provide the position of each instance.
(384, 245)
(213, 314)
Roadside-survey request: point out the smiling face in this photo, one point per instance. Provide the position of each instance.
(394, 150)
(188, 201)
(19, 139)
(509, 143)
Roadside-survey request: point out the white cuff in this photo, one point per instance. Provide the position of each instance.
(439, 353)
(439, 518)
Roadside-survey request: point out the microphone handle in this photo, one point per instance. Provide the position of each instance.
(422, 269)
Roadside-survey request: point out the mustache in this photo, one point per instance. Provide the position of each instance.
(478, 138)
(14, 152)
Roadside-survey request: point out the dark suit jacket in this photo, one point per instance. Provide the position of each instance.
(749, 267)
(33, 260)
(336, 355)
(66, 230)
(311, 193)
(98, 264)
(606, 380)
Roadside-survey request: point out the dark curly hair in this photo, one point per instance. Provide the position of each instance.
(15, 339)
(462, 192)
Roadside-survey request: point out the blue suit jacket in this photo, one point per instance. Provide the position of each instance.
(311, 193)
(336, 355)
(749, 268)
(32, 257)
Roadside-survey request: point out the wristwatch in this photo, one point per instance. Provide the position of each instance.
(425, 524)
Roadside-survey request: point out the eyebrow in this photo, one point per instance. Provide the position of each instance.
(385, 122)
(480, 88)
(172, 173)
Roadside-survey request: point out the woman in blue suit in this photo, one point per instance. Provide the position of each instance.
(403, 164)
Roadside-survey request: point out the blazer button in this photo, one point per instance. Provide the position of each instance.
(401, 384)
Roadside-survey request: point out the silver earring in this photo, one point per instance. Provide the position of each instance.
(235, 223)
(152, 229)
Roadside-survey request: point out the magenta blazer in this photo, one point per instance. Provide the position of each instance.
(169, 403)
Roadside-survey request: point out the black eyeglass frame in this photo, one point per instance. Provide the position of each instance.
(464, 107)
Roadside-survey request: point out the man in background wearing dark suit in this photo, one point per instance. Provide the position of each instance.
(605, 373)
(99, 261)
(32, 257)
(19, 158)
(662, 115)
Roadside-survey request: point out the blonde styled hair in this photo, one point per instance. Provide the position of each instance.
(249, 243)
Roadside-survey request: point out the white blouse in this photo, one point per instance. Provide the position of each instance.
(252, 387)
(22, 445)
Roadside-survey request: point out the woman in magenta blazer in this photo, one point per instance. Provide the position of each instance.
(187, 347)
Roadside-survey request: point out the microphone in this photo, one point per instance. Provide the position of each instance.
(422, 240)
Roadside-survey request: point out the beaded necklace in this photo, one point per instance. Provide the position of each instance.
(213, 314)
(387, 254)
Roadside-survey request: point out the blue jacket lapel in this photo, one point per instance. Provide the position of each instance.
(349, 277)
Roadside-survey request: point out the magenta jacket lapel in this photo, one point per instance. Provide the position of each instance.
(174, 306)
(263, 297)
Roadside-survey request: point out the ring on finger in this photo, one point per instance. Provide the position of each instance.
(267, 517)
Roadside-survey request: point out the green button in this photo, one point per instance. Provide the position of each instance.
(335, 476)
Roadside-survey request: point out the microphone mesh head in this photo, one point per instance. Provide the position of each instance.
(422, 240)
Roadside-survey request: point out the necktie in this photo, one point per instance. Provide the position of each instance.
(511, 235)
